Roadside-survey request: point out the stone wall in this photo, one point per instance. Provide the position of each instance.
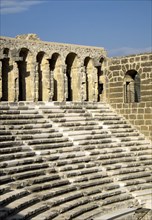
(34, 70)
(130, 97)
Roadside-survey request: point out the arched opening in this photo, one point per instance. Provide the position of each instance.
(43, 76)
(58, 77)
(39, 58)
(22, 66)
(5, 72)
(73, 77)
(91, 80)
(132, 87)
(101, 80)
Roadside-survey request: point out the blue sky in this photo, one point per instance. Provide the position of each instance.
(122, 27)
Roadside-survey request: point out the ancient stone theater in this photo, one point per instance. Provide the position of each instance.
(75, 132)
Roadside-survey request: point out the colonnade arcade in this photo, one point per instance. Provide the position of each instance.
(28, 77)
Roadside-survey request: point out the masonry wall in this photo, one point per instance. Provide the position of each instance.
(137, 112)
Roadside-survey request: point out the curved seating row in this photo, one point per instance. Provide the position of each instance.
(70, 161)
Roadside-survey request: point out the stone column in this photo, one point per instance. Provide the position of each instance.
(95, 86)
(0, 79)
(51, 80)
(65, 82)
(35, 78)
(83, 83)
(16, 81)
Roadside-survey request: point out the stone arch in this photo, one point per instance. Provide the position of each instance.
(73, 77)
(26, 78)
(132, 86)
(56, 66)
(91, 80)
(5, 69)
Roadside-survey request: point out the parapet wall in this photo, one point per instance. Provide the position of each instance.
(129, 89)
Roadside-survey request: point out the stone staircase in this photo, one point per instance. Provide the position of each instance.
(71, 161)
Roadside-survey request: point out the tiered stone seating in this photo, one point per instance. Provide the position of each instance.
(62, 161)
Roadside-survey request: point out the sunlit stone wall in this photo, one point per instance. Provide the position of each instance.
(129, 89)
(34, 70)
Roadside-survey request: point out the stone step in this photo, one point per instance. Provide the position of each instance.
(30, 212)
(85, 132)
(54, 192)
(80, 172)
(140, 148)
(71, 119)
(48, 185)
(7, 138)
(32, 158)
(117, 199)
(34, 179)
(73, 161)
(49, 214)
(104, 139)
(30, 126)
(88, 137)
(81, 165)
(10, 144)
(5, 132)
(78, 210)
(140, 186)
(78, 111)
(4, 189)
(55, 115)
(39, 137)
(134, 138)
(66, 207)
(30, 174)
(126, 213)
(126, 170)
(118, 127)
(33, 131)
(58, 200)
(81, 123)
(108, 118)
(16, 155)
(24, 168)
(133, 175)
(65, 155)
(122, 130)
(93, 183)
(105, 195)
(52, 146)
(22, 122)
(6, 179)
(142, 193)
(128, 135)
(87, 176)
(53, 111)
(20, 117)
(8, 150)
(12, 196)
(44, 141)
(44, 178)
(134, 143)
(113, 122)
(83, 128)
(17, 112)
(20, 204)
